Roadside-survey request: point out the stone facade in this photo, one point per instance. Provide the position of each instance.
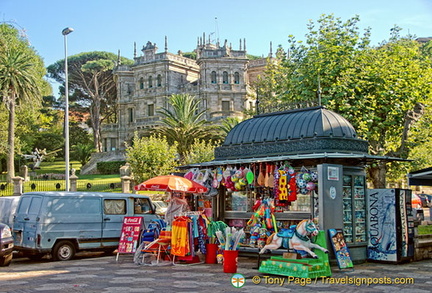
(219, 78)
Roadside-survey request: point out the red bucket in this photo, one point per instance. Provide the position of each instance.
(230, 261)
(211, 252)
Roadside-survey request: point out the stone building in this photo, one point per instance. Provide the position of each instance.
(219, 77)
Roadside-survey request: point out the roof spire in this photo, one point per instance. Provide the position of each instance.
(118, 58)
(271, 50)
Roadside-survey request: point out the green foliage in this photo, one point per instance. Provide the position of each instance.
(151, 156)
(183, 123)
(82, 153)
(229, 123)
(51, 141)
(92, 86)
(79, 135)
(190, 55)
(112, 167)
(253, 57)
(21, 81)
(424, 230)
(380, 90)
(200, 151)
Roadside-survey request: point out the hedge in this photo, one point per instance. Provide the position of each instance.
(112, 167)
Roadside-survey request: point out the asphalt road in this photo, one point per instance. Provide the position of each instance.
(94, 273)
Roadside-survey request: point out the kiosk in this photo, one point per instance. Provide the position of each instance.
(323, 160)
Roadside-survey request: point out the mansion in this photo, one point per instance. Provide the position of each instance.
(219, 77)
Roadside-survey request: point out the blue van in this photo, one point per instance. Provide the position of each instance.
(63, 223)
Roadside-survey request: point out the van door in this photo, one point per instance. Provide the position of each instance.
(27, 220)
(77, 218)
(114, 210)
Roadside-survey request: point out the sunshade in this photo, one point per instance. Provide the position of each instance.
(171, 183)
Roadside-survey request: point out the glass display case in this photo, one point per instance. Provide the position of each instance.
(354, 208)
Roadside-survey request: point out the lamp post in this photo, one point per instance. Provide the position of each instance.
(65, 32)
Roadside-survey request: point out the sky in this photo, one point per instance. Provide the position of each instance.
(107, 25)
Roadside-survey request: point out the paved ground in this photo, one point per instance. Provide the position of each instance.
(105, 274)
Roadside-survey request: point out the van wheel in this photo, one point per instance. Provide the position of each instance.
(63, 250)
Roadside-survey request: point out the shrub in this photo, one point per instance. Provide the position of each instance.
(112, 167)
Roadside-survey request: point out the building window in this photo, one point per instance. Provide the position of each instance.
(236, 78)
(113, 144)
(150, 110)
(226, 106)
(213, 77)
(141, 83)
(105, 144)
(225, 77)
(131, 116)
(150, 81)
(159, 80)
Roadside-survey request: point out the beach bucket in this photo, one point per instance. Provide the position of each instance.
(230, 261)
(211, 252)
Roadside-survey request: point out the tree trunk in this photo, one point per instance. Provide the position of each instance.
(11, 142)
(96, 124)
(377, 174)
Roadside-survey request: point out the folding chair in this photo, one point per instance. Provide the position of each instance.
(161, 244)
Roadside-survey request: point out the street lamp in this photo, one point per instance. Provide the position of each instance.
(65, 32)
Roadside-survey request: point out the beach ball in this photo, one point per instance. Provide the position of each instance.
(310, 186)
(314, 176)
(306, 177)
(304, 191)
(301, 183)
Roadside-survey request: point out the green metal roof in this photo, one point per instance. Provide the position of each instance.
(308, 130)
(362, 157)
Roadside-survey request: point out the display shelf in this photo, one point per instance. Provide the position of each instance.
(354, 208)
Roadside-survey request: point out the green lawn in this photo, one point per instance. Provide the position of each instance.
(106, 183)
(56, 167)
(99, 183)
(425, 229)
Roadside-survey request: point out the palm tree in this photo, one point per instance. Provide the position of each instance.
(184, 123)
(228, 124)
(19, 81)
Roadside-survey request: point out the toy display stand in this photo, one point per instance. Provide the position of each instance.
(300, 268)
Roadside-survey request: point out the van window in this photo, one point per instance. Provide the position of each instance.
(25, 203)
(31, 209)
(75, 206)
(35, 206)
(115, 207)
(142, 206)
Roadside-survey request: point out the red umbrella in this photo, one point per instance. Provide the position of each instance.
(171, 183)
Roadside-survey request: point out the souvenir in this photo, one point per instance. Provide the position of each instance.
(261, 176)
(283, 185)
(266, 176)
(310, 186)
(314, 176)
(250, 176)
(271, 179)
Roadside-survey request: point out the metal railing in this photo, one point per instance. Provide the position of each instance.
(114, 185)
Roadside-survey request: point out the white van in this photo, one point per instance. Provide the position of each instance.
(8, 205)
(62, 223)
